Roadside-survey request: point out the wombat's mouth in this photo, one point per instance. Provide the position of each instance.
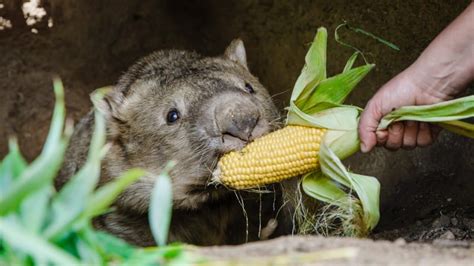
(236, 135)
(222, 144)
(232, 143)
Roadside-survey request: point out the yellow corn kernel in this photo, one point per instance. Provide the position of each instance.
(285, 153)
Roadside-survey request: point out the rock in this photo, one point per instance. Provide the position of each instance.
(436, 223)
(448, 235)
(468, 222)
(400, 242)
(454, 221)
(444, 221)
(445, 243)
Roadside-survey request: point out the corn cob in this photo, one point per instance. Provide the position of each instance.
(285, 153)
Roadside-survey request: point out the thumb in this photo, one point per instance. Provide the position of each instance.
(368, 124)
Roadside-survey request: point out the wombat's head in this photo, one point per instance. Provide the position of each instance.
(180, 106)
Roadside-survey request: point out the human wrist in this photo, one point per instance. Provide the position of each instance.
(446, 66)
(442, 73)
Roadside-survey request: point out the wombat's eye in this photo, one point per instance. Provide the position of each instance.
(249, 88)
(172, 116)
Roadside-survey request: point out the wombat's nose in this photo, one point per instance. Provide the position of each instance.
(237, 118)
(240, 126)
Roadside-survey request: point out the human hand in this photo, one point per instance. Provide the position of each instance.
(407, 88)
(442, 71)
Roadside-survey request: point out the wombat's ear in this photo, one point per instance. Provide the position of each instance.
(236, 52)
(107, 101)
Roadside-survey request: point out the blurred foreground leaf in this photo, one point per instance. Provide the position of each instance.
(161, 206)
(39, 226)
(43, 170)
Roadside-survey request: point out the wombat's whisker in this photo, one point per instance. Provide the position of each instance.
(202, 150)
(277, 94)
(240, 199)
(276, 123)
(211, 170)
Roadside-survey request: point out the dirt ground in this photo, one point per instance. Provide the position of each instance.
(312, 250)
(441, 238)
(426, 193)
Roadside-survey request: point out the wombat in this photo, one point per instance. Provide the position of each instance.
(181, 106)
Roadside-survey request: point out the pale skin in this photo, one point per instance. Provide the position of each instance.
(441, 72)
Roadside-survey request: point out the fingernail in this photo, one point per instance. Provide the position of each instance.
(363, 147)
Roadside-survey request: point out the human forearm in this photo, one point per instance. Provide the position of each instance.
(448, 62)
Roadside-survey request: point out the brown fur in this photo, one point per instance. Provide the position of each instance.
(210, 94)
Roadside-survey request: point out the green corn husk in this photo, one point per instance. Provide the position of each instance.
(445, 114)
(352, 200)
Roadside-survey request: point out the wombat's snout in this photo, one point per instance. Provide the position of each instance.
(238, 121)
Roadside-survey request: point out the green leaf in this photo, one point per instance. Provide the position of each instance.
(68, 243)
(343, 143)
(335, 89)
(351, 61)
(11, 167)
(56, 130)
(113, 246)
(358, 30)
(10, 254)
(459, 127)
(368, 191)
(33, 245)
(144, 257)
(343, 117)
(42, 171)
(367, 188)
(159, 213)
(34, 209)
(88, 252)
(69, 203)
(379, 39)
(332, 167)
(71, 200)
(157, 255)
(94, 247)
(174, 254)
(185, 257)
(457, 109)
(101, 199)
(324, 189)
(314, 69)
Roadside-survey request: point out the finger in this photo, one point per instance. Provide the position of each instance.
(368, 124)
(410, 135)
(435, 130)
(382, 137)
(395, 136)
(424, 135)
